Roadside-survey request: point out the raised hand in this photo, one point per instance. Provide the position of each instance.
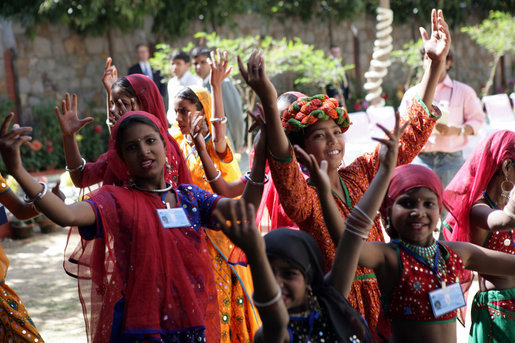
(10, 142)
(116, 112)
(256, 77)
(196, 123)
(437, 46)
(242, 229)
(219, 69)
(260, 140)
(390, 145)
(110, 75)
(68, 119)
(317, 174)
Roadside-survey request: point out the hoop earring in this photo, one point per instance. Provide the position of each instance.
(506, 193)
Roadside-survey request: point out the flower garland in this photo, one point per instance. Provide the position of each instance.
(308, 110)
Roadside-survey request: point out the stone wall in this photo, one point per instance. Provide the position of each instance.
(57, 60)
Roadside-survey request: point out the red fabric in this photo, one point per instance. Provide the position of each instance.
(150, 101)
(409, 299)
(407, 177)
(471, 180)
(164, 275)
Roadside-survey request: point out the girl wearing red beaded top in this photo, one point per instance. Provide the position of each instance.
(317, 125)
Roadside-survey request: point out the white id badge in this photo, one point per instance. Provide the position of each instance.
(447, 299)
(173, 217)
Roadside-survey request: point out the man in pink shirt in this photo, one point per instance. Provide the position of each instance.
(462, 115)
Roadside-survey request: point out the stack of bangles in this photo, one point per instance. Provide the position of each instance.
(358, 223)
(37, 196)
(271, 303)
(81, 167)
(255, 183)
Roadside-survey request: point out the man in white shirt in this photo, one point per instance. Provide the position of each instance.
(230, 95)
(143, 67)
(180, 63)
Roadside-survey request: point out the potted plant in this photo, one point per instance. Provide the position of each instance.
(22, 228)
(46, 225)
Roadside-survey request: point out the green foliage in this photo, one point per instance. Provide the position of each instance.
(94, 138)
(6, 105)
(410, 56)
(496, 34)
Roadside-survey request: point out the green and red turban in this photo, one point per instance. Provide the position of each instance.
(308, 110)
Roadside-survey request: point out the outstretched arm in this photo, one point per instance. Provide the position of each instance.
(255, 76)
(219, 72)
(79, 214)
(482, 260)
(436, 46)
(243, 232)
(362, 215)
(70, 125)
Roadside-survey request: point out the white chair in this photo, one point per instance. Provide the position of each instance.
(382, 115)
(357, 137)
(498, 108)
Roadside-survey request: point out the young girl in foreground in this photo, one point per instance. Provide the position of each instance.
(317, 125)
(418, 276)
(300, 304)
(144, 273)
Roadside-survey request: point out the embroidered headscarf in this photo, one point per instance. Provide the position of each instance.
(301, 251)
(407, 177)
(308, 110)
(204, 97)
(150, 101)
(471, 180)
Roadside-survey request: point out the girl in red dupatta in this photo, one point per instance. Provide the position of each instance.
(138, 280)
(475, 198)
(133, 92)
(319, 128)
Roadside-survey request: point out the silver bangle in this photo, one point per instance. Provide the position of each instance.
(37, 196)
(218, 120)
(370, 220)
(255, 183)
(270, 302)
(81, 167)
(351, 229)
(215, 178)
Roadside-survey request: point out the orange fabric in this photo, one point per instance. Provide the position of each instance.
(301, 204)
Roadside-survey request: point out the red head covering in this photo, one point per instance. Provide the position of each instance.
(473, 177)
(407, 177)
(150, 101)
(164, 276)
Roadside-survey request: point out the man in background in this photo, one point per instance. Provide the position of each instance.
(231, 97)
(143, 67)
(342, 88)
(180, 63)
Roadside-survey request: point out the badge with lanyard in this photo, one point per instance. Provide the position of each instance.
(445, 299)
(172, 217)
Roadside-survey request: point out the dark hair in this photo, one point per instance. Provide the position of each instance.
(200, 51)
(127, 123)
(187, 94)
(181, 55)
(125, 86)
(142, 44)
(285, 100)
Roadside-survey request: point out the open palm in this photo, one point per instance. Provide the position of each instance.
(437, 46)
(68, 119)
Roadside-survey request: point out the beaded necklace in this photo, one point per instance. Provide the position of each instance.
(428, 254)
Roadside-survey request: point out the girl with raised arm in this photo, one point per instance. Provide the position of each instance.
(131, 93)
(297, 303)
(317, 126)
(143, 271)
(482, 211)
